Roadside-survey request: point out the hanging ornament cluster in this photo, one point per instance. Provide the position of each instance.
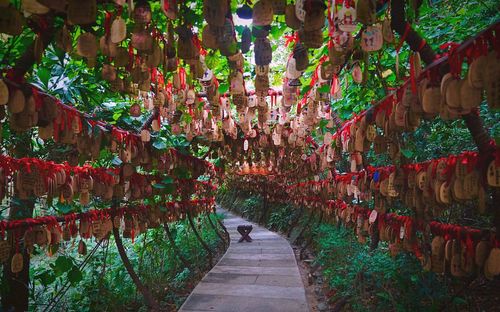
(461, 250)
(36, 177)
(51, 232)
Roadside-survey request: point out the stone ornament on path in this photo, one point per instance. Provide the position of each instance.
(245, 230)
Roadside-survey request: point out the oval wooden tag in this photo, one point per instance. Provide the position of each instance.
(17, 263)
(493, 174)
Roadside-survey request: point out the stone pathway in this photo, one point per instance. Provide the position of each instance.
(261, 276)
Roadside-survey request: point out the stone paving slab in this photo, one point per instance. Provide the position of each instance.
(255, 270)
(199, 303)
(260, 250)
(269, 256)
(261, 276)
(257, 263)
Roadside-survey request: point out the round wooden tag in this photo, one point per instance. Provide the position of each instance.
(87, 45)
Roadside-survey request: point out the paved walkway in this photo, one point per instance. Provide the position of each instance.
(261, 276)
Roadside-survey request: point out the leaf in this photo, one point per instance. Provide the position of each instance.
(324, 88)
(116, 161)
(305, 89)
(459, 301)
(75, 275)
(182, 173)
(44, 76)
(407, 153)
(63, 264)
(159, 144)
(63, 207)
(322, 123)
(223, 88)
(46, 278)
(169, 189)
(168, 180)
(159, 186)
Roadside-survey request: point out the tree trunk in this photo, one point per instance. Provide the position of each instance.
(198, 237)
(146, 293)
(311, 237)
(295, 222)
(228, 237)
(265, 208)
(212, 225)
(177, 251)
(374, 236)
(302, 231)
(15, 296)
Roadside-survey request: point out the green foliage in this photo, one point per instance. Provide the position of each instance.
(104, 285)
(373, 281)
(281, 217)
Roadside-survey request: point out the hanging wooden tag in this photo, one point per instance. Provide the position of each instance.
(16, 101)
(118, 31)
(371, 38)
(4, 251)
(4, 93)
(475, 75)
(11, 21)
(87, 45)
(471, 184)
(431, 101)
(347, 18)
(481, 253)
(56, 5)
(81, 12)
(291, 19)
(492, 80)
(145, 135)
(34, 7)
(387, 31)
(16, 264)
(493, 174)
(456, 259)
(82, 248)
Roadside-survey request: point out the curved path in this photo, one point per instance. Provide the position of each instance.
(261, 276)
